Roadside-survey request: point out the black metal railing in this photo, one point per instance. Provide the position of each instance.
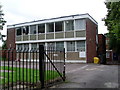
(30, 69)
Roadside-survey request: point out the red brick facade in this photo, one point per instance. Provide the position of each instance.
(101, 44)
(91, 45)
(11, 38)
(11, 43)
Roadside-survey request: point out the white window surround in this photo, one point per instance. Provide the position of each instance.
(52, 40)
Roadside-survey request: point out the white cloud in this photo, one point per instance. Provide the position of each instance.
(17, 11)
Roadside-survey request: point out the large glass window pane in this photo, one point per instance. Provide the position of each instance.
(25, 30)
(34, 46)
(33, 29)
(80, 45)
(69, 25)
(79, 24)
(51, 45)
(19, 47)
(41, 28)
(18, 31)
(59, 26)
(71, 46)
(59, 46)
(26, 46)
(50, 27)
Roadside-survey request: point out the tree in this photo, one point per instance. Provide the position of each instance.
(4, 46)
(2, 21)
(112, 21)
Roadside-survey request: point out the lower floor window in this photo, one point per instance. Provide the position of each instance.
(34, 46)
(71, 46)
(59, 46)
(80, 46)
(107, 54)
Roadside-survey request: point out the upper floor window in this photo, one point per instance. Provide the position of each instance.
(33, 29)
(25, 30)
(18, 31)
(50, 27)
(41, 28)
(59, 26)
(80, 24)
(69, 25)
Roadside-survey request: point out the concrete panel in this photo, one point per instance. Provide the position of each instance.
(69, 34)
(50, 36)
(74, 56)
(81, 33)
(25, 38)
(59, 35)
(41, 36)
(18, 38)
(32, 37)
(56, 55)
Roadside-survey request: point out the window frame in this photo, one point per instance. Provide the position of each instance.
(31, 30)
(80, 46)
(18, 29)
(43, 27)
(50, 29)
(68, 46)
(61, 23)
(66, 27)
(79, 28)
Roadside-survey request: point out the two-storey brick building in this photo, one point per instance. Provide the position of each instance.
(78, 34)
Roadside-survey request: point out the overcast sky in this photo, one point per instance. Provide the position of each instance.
(19, 11)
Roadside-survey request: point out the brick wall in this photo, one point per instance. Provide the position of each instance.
(101, 44)
(11, 44)
(11, 38)
(91, 31)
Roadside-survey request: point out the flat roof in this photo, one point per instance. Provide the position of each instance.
(62, 18)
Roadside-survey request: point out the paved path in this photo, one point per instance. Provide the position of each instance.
(90, 76)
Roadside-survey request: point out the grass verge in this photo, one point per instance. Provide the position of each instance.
(24, 75)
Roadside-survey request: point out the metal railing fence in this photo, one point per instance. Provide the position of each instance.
(30, 69)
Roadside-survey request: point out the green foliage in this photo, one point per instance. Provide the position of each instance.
(2, 21)
(25, 74)
(4, 46)
(112, 22)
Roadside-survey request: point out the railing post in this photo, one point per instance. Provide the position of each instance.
(41, 65)
(64, 66)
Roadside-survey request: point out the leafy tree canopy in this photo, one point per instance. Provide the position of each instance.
(2, 21)
(112, 21)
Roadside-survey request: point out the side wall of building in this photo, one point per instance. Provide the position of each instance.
(101, 44)
(91, 45)
(11, 44)
(11, 38)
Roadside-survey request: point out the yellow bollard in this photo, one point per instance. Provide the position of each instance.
(96, 60)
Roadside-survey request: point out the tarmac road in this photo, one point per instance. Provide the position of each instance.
(90, 76)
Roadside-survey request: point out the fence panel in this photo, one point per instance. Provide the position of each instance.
(31, 68)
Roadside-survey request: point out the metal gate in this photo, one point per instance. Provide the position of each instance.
(31, 69)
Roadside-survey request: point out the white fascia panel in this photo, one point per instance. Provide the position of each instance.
(52, 40)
